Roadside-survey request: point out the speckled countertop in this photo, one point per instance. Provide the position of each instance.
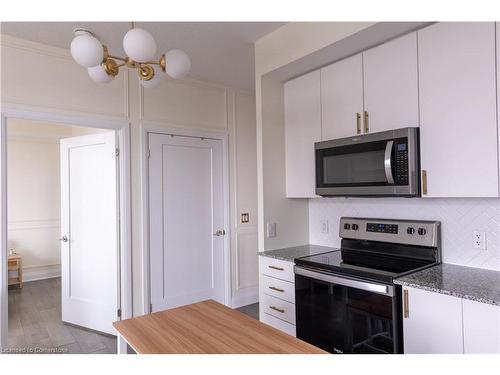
(290, 253)
(465, 282)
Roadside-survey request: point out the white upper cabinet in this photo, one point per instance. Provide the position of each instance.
(481, 328)
(458, 124)
(302, 129)
(391, 84)
(432, 323)
(342, 98)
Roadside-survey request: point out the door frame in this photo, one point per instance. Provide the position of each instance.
(122, 129)
(147, 128)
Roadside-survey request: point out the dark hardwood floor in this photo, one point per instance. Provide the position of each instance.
(35, 324)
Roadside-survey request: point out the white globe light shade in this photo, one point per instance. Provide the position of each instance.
(139, 45)
(86, 50)
(98, 74)
(156, 80)
(178, 63)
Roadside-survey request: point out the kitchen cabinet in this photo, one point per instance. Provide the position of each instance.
(481, 324)
(342, 98)
(277, 294)
(432, 322)
(302, 129)
(458, 125)
(390, 84)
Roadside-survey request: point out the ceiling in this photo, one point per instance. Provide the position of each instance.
(220, 52)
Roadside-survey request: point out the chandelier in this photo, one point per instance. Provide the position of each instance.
(140, 47)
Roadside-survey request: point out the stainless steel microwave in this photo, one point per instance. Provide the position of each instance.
(378, 164)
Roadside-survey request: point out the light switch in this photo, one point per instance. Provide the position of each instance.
(271, 230)
(245, 218)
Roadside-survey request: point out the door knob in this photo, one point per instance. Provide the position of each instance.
(220, 232)
(64, 239)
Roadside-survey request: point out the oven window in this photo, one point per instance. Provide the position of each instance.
(356, 168)
(340, 319)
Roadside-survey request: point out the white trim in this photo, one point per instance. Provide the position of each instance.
(41, 272)
(245, 296)
(122, 128)
(148, 127)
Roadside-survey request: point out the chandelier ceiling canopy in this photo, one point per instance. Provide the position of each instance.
(140, 47)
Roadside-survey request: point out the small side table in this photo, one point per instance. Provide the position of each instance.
(15, 263)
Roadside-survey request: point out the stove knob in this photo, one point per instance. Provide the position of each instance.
(422, 231)
(355, 227)
(410, 230)
(347, 226)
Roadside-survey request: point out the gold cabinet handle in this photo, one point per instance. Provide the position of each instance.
(406, 309)
(277, 309)
(367, 126)
(358, 123)
(424, 182)
(277, 268)
(277, 289)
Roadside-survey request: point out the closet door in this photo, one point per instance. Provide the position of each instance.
(458, 123)
(391, 84)
(342, 98)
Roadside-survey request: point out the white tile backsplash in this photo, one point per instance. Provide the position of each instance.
(459, 218)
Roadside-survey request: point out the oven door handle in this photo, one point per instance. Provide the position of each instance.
(388, 162)
(387, 290)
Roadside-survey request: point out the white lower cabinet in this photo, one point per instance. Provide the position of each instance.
(435, 323)
(277, 294)
(432, 323)
(481, 328)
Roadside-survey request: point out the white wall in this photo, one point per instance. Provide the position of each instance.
(51, 80)
(459, 218)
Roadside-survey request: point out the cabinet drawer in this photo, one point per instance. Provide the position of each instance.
(278, 324)
(281, 289)
(277, 268)
(278, 308)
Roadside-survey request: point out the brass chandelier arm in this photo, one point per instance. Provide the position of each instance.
(117, 58)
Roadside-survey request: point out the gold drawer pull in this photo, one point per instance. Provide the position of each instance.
(424, 182)
(277, 289)
(358, 123)
(367, 126)
(276, 309)
(277, 268)
(406, 310)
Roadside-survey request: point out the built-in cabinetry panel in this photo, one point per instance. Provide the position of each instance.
(481, 328)
(277, 294)
(432, 323)
(390, 82)
(342, 98)
(436, 323)
(458, 125)
(302, 129)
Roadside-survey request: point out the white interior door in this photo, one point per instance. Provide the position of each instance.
(89, 231)
(186, 203)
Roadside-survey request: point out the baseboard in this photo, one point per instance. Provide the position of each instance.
(32, 273)
(245, 296)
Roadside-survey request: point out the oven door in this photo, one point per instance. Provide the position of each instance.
(342, 315)
(376, 164)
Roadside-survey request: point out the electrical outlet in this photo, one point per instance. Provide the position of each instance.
(271, 230)
(479, 240)
(324, 226)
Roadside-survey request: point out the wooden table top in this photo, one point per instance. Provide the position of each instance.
(207, 327)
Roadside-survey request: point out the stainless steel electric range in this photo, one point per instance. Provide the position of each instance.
(346, 301)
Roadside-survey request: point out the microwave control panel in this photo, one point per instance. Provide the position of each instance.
(401, 161)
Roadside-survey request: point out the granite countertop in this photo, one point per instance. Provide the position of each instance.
(476, 284)
(291, 253)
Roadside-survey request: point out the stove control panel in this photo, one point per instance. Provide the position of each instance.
(418, 232)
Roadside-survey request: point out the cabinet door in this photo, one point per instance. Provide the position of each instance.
(458, 129)
(481, 328)
(433, 323)
(302, 129)
(391, 84)
(342, 98)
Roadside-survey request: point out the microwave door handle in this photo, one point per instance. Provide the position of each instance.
(388, 162)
